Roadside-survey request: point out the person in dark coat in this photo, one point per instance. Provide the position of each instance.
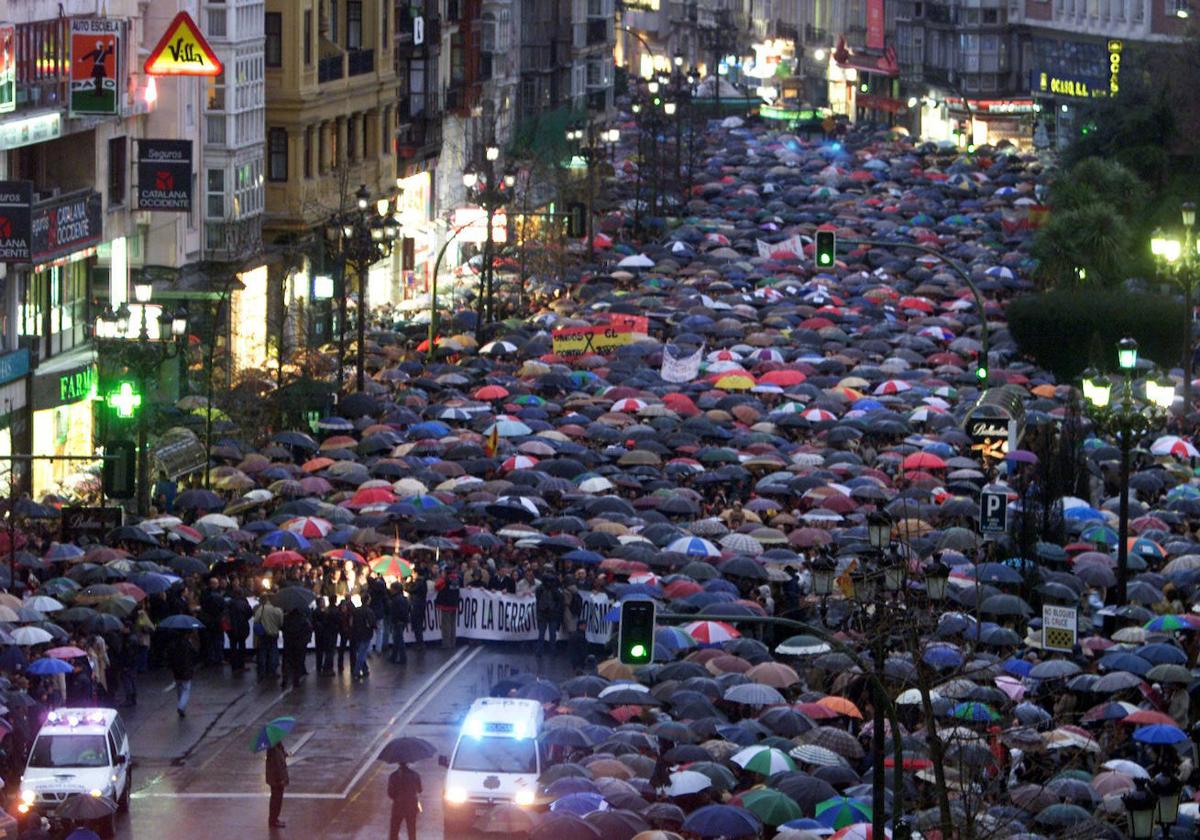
(212, 609)
(181, 656)
(362, 631)
(418, 597)
(327, 623)
(238, 611)
(277, 780)
(297, 630)
(345, 628)
(446, 603)
(404, 789)
(399, 613)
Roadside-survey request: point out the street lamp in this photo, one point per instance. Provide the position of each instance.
(1166, 788)
(143, 354)
(491, 191)
(1130, 418)
(1178, 259)
(1139, 808)
(359, 239)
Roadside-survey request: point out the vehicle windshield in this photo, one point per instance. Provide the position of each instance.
(69, 751)
(496, 755)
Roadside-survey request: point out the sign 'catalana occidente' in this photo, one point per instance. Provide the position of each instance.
(182, 51)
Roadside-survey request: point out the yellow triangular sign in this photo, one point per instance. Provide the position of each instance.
(182, 51)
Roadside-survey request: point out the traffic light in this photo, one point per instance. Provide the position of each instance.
(981, 373)
(119, 476)
(635, 636)
(826, 248)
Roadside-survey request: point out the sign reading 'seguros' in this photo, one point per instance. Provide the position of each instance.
(16, 221)
(164, 175)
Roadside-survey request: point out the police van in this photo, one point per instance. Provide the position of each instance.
(77, 751)
(497, 759)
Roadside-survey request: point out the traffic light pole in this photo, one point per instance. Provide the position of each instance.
(888, 707)
(963, 275)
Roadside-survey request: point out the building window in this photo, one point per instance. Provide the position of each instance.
(216, 92)
(118, 166)
(215, 130)
(273, 49)
(352, 137)
(384, 34)
(308, 152)
(308, 37)
(277, 154)
(216, 23)
(215, 208)
(333, 21)
(354, 25)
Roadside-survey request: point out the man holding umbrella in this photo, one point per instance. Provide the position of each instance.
(270, 740)
(404, 784)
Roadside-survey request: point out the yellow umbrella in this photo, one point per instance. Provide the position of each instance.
(735, 382)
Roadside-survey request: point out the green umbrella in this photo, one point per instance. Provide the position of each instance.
(273, 733)
(771, 806)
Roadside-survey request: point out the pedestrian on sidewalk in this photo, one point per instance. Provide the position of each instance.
(362, 631)
(326, 626)
(277, 780)
(297, 630)
(446, 603)
(404, 788)
(418, 597)
(182, 657)
(237, 611)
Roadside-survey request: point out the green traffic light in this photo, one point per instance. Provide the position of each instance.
(981, 374)
(638, 651)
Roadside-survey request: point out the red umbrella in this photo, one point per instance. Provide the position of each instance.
(372, 496)
(782, 378)
(923, 461)
(491, 392)
(283, 559)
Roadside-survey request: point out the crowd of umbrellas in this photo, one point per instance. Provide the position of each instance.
(821, 397)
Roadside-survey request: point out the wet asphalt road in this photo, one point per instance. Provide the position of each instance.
(196, 777)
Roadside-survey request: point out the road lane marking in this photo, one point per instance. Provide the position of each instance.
(419, 699)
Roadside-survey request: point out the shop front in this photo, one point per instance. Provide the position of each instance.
(64, 391)
(418, 234)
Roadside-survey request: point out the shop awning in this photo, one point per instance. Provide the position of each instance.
(880, 65)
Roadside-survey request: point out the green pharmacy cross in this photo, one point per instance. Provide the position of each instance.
(125, 400)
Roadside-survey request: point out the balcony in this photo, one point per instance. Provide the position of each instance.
(330, 69)
(361, 62)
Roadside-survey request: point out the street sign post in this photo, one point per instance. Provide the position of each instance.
(993, 512)
(1060, 627)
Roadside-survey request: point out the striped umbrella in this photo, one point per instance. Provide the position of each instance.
(763, 760)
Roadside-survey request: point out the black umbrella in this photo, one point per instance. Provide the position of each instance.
(406, 750)
(85, 807)
(294, 598)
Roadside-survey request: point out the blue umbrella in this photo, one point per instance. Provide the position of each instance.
(1130, 662)
(1161, 653)
(582, 555)
(580, 804)
(180, 622)
(942, 656)
(284, 539)
(152, 583)
(47, 665)
(722, 821)
(1159, 733)
(429, 429)
(83, 834)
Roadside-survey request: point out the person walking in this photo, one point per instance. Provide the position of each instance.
(362, 631)
(297, 630)
(182, 657)
(237, 612)
(268, 620)
(277, 780)
(327, 623)
(399, 614)
(404, 788)
(446, 603)
(418, 599)
(549, 612)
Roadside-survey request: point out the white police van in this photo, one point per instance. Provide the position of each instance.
(77, 751)
(497, 759)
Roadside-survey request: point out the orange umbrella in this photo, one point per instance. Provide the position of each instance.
(842, 706)
(316, 464)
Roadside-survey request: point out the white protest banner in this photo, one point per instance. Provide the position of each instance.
(764, 249)
(596, 605)
(486, 615)
(680, 370)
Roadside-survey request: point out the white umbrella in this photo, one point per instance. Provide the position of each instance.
(684, 782)
(43, 603)
(31, 636)
(636, 261)
(218, 521)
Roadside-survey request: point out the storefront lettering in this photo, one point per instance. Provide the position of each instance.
(76, 385)
(62, 226)
(1115, 47)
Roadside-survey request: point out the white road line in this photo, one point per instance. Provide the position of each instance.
(299, 745)
(171, 687)
(421, 698)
